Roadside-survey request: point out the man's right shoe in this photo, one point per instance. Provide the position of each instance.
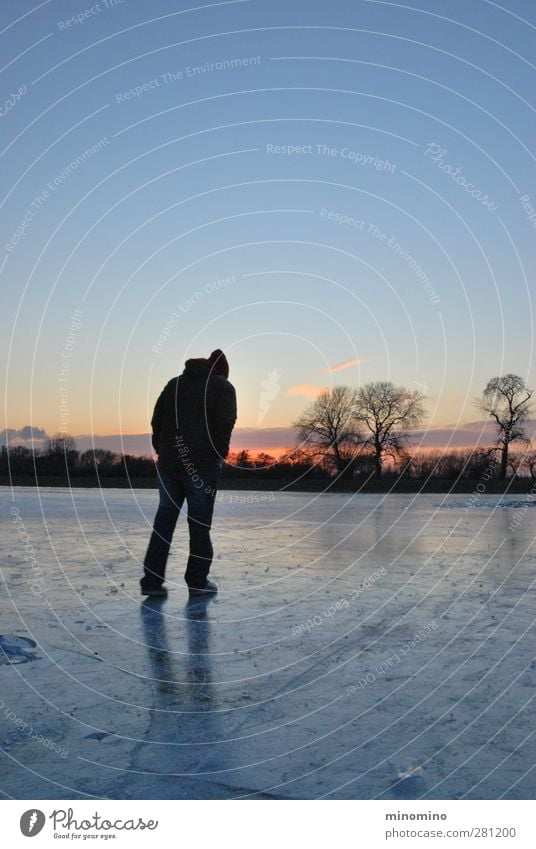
(210, 588)
(155, 592)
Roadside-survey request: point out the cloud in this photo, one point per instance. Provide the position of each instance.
(262, 438)
(126, 443)
(340, 366)
(27, 435)
(308, 390)
(465, 435)
(273, 439)
(252, 438)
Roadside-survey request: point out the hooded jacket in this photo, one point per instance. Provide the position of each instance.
(193, 418)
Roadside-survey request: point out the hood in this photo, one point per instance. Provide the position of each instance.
(216, 364)
(197, 366)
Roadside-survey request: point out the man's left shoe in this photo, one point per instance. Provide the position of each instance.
(155, 592)
(210, 588)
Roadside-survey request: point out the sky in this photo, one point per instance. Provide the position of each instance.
(332, 193)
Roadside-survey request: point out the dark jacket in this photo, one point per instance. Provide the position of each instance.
(193, 418)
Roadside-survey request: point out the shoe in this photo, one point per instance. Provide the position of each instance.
(210, 588)
(155, 592)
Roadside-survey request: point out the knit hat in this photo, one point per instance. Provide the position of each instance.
(218, 363)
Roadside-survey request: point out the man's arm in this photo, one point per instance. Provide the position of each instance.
(224, 420)
(156, 421)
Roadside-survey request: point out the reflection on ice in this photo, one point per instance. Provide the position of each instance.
(16, 649)
(363, 646)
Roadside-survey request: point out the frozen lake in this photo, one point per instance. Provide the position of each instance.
(361, 647)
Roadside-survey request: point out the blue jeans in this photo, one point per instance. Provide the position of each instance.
(199, 490)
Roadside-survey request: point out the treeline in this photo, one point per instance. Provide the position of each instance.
(61, 463)
(347, 437)
(453, 465)
(61, 459)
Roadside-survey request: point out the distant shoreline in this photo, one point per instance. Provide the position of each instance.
(387, 484)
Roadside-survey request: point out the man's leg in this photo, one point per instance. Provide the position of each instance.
(171, 500)
(200, 494)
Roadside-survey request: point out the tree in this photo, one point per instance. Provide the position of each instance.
(99, 458)
(243, 459)
(506, 399)
(514, 463)
(297, 456)
(264, 460)
(60, 444)
(135, 467)
(328, 429)
(18, 460)
(61, 453)
(530, 461)
(386, 411)
(479, 462)
(298, 463)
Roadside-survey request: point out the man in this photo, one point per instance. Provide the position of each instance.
(192, 424)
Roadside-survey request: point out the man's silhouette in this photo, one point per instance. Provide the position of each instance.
(192, 424)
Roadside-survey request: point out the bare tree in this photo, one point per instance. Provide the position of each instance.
(386, 411)
(329, 430)
(60, 444)
(264, 460)
(515, 462)
(243, 459)
(99, 458)
(530, 461)
(297, 456)
(60, 452)
(506, 399)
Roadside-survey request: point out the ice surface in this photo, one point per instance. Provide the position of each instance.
(361, 646)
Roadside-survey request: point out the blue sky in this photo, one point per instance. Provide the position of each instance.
(283, 181)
